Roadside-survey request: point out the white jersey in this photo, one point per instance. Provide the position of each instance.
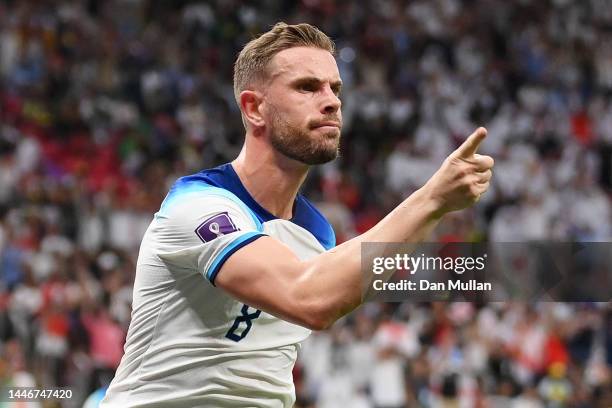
(189, 343)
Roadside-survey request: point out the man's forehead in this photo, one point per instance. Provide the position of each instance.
(304, 61)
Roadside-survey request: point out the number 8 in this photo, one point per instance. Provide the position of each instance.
(244, 317)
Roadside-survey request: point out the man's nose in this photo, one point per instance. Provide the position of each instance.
(331, 101)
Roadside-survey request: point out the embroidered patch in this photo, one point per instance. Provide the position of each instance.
(216, 226)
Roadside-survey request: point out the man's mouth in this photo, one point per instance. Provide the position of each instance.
(327, 124)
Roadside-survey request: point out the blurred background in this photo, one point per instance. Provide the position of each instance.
(104, 104)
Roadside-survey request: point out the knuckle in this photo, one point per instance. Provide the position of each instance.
(461, 173)
(485, 162)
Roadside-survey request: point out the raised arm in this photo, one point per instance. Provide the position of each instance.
(315, 293)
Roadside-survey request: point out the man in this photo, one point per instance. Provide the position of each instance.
(237, 267)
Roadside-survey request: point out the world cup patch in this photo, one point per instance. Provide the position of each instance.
(216, 226)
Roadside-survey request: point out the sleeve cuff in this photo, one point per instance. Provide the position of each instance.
(235, 245)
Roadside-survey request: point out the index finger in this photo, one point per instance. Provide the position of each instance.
(471, 144)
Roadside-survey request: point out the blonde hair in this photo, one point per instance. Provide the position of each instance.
(252, 62)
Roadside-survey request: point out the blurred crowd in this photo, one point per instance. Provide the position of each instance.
(104, 104)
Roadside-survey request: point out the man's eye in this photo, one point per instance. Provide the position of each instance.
(308, 88)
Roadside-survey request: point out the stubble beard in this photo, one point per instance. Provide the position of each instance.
(298, 144)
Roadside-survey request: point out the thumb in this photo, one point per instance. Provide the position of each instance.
(471, 144)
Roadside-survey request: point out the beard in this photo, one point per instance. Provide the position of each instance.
(300, 145)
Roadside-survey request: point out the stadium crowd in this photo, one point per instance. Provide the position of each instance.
(104, 104)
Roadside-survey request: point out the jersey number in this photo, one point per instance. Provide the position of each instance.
(245, 317)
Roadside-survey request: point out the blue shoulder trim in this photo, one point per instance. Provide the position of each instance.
(224, 178)
(307, 216)
(194, 185)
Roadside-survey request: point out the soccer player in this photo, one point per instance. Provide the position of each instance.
(237, 267)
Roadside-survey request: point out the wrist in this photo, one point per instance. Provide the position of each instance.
(433, 206)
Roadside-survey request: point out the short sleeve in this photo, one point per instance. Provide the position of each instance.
(200, 229)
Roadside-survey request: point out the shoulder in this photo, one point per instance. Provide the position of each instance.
(196, 196)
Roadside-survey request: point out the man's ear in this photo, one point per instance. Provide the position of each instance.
(250, 104)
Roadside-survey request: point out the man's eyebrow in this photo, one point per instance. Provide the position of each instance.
(311, 79)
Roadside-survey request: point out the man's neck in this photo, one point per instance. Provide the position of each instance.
(271, 179)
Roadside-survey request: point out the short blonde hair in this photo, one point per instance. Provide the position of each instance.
(252, 62)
